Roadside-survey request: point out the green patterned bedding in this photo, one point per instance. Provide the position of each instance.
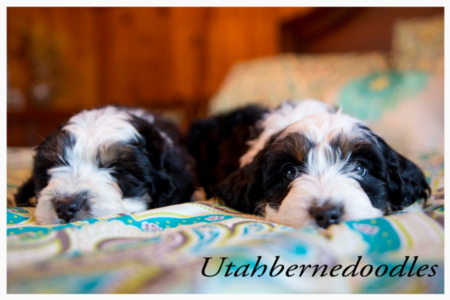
(164, 250)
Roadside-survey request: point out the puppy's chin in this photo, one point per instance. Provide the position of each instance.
(45, 215)
(342, 191)
(301, 218)
(45, 212)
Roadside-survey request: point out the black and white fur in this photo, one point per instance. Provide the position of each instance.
(302, 164)
(106, 161)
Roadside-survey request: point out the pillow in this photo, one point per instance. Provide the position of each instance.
(406, 109)
(418, 44)
(268, 81)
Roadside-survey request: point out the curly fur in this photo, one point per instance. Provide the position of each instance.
(109, 160)
(341, 167)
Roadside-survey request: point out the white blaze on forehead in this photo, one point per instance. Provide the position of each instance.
(323, 127)
(277, 120)
(95, 128)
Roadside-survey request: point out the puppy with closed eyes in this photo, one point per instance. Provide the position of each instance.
(106, 161)
(302, 164)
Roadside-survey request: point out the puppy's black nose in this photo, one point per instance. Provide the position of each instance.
(66, 209)
(327, 215)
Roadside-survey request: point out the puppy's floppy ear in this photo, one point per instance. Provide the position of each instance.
(406, 182)
(157, 150)
(25, 192)
(48, 153)
(244, 188)
(155, 144)
(170, 180)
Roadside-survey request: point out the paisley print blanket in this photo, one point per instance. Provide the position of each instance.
(204, 247)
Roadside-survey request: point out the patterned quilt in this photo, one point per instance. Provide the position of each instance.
(204, 247)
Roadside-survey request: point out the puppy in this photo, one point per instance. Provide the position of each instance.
(106, 161)
(302, 164)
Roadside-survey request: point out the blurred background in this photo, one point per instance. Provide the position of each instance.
(188, 62)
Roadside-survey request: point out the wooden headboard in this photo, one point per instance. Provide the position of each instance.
(346, 29)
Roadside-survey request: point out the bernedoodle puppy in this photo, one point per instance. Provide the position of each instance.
(302, 164)
(106, 161)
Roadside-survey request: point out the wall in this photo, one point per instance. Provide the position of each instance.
(134, 54)
(61, 60)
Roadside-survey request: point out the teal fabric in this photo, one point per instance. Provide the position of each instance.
(367, 98)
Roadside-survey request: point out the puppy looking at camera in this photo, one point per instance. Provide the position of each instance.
(106, 161)
(302, 164)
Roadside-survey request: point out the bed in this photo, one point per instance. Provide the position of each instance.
(165, 250)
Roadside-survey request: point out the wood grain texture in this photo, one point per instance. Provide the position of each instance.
(171, 59)
(64, 59)
(54, 46)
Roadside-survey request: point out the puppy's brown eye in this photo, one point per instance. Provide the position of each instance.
(361, 171)
(291, 173)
